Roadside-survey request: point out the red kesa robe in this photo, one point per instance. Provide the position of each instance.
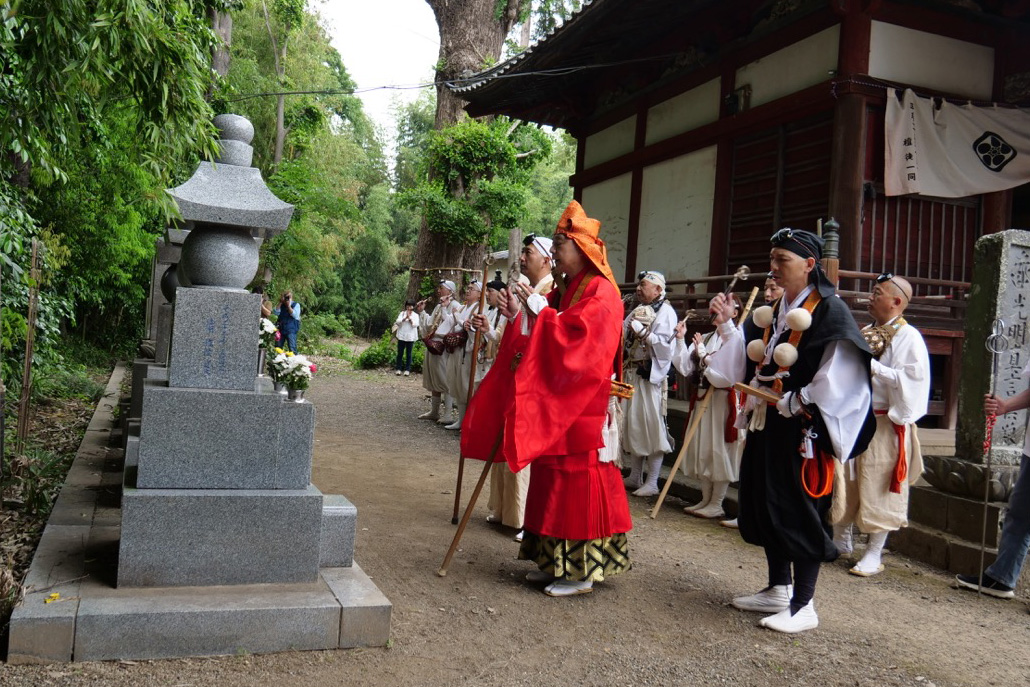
(552, 408)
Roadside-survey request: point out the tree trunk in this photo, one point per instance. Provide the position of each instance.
(221, 22)
(471, 38)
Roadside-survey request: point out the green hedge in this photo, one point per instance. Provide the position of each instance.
(383, 353)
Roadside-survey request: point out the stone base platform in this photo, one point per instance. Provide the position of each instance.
(72, 610)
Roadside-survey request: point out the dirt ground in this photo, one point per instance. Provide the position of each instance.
(666, 622)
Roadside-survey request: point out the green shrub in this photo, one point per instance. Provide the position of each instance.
(316, 327)
(67, 382)
(383, 353)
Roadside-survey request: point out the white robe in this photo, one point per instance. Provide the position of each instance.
(645, 432)
(901, 387)
(709, 456)
(839, 389)
(459, 361)
(434, 367)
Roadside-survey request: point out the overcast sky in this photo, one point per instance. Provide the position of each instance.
(384, 43)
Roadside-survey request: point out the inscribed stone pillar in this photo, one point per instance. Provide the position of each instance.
(999, 293)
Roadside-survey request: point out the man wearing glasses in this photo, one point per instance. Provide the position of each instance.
(649, 331)
(872, 490)
(807, 352)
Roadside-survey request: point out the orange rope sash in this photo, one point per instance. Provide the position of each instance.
(900, 472)
(817, 471)
(795, 335)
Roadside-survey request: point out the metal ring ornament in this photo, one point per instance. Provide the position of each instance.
(997, 342)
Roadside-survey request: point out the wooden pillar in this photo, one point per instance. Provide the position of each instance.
(581, 151)
(996, 211)
(636, 188)
(718, 247)
(847, 172)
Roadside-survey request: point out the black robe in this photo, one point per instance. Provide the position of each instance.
(775, 511)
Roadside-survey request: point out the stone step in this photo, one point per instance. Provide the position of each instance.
(939, 549)
(953, 515)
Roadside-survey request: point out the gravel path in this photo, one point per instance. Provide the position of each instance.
(666, 622)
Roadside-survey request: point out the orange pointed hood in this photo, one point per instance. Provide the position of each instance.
(585, 231)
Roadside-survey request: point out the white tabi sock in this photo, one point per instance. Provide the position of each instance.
(706, 496)
(654, 469)
(633, 480)
(842, 539)
(461, 416)
(714, 507)
(434, 413)
(870, 561)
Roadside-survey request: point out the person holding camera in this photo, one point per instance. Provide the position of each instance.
(650, 336)
(289, 321)
(405, 328)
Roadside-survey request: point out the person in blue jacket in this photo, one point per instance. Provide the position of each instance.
(289, 321)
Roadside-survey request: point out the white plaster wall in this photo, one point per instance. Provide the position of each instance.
(608, 202)
(676, 215)
(897, 53)
(684, 112)
(610, 143)
(796, 67)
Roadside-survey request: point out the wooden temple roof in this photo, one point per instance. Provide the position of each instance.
(612, 50)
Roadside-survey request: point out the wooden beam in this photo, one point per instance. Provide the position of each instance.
(810, 100)
(636, 189)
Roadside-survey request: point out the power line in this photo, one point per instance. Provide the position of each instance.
(558, 71)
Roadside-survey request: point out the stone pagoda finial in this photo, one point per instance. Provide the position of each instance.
(229, 205)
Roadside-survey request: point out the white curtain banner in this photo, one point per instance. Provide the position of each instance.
(953, 151)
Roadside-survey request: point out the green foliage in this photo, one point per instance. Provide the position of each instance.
(383, 353)
(70, 381)
(35, 476)
(477, 173)
(68, 61)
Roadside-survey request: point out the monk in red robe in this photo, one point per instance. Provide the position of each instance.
(546, 400)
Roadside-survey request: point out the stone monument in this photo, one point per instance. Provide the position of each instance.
(947, 518)
(224, 544)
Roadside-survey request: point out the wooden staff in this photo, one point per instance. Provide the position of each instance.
(472, 381)
(695, 420)
(442, 572)
(742, 273)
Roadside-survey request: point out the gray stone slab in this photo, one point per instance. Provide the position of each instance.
(42, 627)
(1001, 275)
(207, 439)
(206, 621)
(214, 339)
(366, 612)
(131, 451)
(42, 632)
(173, 537)
(139, 373)
(339, 522)
(163, 334)
(232, 195)
(296, 442)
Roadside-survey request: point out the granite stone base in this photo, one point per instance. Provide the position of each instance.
(339, 523)
(185, 537)
(163, 335)
(214, 339)
(92, 619)
(208, 439)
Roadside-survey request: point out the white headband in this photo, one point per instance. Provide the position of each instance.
(543, 244)
(655, 278)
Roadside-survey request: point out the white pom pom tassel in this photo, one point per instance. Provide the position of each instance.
(785, 355)
(799, 319)
(763, 316)
(756, 350)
